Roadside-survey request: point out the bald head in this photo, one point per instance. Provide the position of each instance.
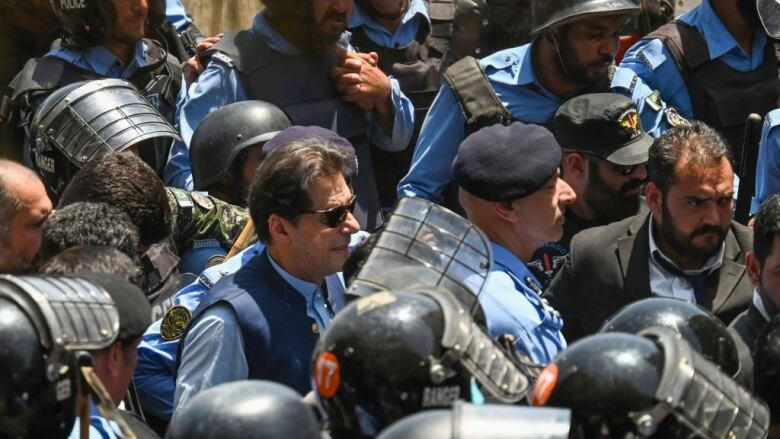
(24, 206)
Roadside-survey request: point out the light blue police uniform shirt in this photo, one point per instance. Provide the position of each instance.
(648, 66)
(214, 348)
(99, 427)
(406, 33)
(100, 60)
(768, 167)
(220, 85)
(512, 307)
(177, 15)
(156, 370)
(512, 76)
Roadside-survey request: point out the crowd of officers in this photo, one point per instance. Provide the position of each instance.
(390, 218)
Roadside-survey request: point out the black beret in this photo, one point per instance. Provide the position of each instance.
(131, 304)
(504, 163)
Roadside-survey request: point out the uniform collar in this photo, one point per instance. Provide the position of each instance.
(274, 39)
(100, 60)
(509, 262)
(304, 288)
(526, 74)
(414, 15)
(719, 40)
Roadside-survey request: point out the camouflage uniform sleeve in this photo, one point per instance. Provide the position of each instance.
(198, 217)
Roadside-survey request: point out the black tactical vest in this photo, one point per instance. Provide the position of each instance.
(721, 96)
(159, 82)
(416, 68)
(301, 86)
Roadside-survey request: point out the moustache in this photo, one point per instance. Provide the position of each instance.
(631, 185)
(333, 15)
(705, 229)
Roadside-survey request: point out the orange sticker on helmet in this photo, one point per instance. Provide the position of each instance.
(545, 384)
(327, 375)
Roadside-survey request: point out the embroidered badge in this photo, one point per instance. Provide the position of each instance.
(174, 323)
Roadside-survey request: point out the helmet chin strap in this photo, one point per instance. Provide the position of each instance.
(561, 62)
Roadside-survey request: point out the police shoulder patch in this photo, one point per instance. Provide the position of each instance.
(174, 323)
(202, 200)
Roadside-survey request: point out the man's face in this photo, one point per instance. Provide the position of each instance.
(248, 169)
(588, 46)
(766, 276)
(541, 213)
(696, 211)
(321, 250)
(130, 20)
(25, 228)
(330, 19)
(611, 195)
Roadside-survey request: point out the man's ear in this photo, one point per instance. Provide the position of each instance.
(575, 167)
(116, 358)
(654, 198)
(505, 210)
(753, 268)
(279, 228)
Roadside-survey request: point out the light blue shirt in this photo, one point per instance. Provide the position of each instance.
(649, 66)
(99, 427)
(177, 15)
(100, 60)
(511, 306)
(768, 167)
(406, 33)
(512, 76)
(156, 369)
(220, 85)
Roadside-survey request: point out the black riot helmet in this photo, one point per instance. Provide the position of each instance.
(702, 330)
(86, 120)
(653, 385)
(245, 409)
(225, 133)
(484, 421)
(653, 14)
(44, 323)
(769, 15)
(90, 22)
(391, 354)
(548, 14)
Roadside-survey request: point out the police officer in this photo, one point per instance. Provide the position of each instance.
(103, 39)
(410, 45)
(271, 411)
(85, 120)
(226, 147)
(573, 47)
(604, 154)
(510, 187)
(726, 69)
(305, 69)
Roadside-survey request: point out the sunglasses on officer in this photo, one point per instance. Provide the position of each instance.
(336, 215)
(623, 170)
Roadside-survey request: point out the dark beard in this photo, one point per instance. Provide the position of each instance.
(606, 204)
(683, 244)
(570, 66)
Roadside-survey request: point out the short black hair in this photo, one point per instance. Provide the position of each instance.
(282, 181)
(88, 224)
(766, 227)
(695, 142)
(766, 366)
(126, 182)
(92, 259)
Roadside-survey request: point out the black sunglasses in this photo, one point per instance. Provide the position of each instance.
(623, 170)
(336, 215)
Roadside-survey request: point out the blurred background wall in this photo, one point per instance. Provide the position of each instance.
(214, 16)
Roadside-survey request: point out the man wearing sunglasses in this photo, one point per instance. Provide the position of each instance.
(263, 321)
(604, 154)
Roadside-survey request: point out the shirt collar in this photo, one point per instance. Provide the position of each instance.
(275, 40)
(719, 39)
(759, 304)
(304, 288)
(101, 61)
(712, 263)
(502, 256)
(526, 74)
(415, 12)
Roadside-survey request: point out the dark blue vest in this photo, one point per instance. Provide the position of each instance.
(278, 336)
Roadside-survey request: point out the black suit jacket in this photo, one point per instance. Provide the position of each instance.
(608, 268)
(749, 325)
